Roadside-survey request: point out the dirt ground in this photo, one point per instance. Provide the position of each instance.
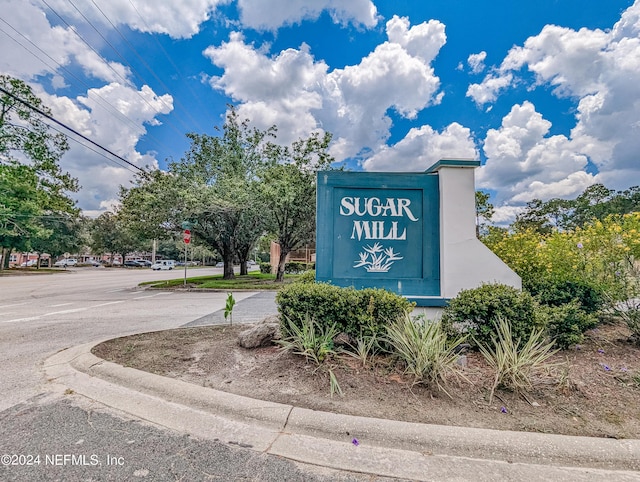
(595, 392)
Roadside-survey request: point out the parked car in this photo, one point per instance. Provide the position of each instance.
(63, 263)
(31, 262)
(133, 263)
(220, 265)
(163, 264)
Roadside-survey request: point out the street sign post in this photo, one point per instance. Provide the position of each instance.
(187, 239)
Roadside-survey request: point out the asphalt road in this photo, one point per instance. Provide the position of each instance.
(42, 314)
(49, 436)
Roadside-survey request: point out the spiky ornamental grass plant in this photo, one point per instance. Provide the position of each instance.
(424, 348)
(514, 364)
(366, 346)
(314, 342)
(311, 340)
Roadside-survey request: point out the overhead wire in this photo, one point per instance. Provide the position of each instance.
(117, 52)
(126, 82)
(101, 100)
(168, 57)
(70, 129)
(147, 66)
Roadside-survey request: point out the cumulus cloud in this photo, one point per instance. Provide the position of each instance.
(423, 147)
(476, 62)
(99, 177)
(34, 47)
(524, 162)
(177, 19)
(184, 19)
(113, 115)
(601, 71)
(272, 14)
(299, 94)
(487, 91)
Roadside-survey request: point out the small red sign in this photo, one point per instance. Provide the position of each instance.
(187, 236)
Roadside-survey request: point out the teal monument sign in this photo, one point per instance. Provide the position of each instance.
(379, 230)
(410, 233)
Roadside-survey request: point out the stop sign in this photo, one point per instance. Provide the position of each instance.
(187, 236)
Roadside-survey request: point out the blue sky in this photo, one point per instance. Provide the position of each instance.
(546, 94)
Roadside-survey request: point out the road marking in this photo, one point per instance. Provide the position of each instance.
(149, 296)
(108, 303)
(14, 304)
(31, 318)
(62, 312)
(61, 304)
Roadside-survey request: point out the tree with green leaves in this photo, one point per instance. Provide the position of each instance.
(109, 234)
(484, 212)
(220, 173)
(595, 203)
(68, 233)
(32, 184)
(288, 189)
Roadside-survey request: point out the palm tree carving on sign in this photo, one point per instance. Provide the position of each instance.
(377, 259)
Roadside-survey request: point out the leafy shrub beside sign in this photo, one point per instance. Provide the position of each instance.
(355, 312)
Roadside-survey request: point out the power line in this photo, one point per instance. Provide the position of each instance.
(144, 62)
(168, 57)
(125, 81)
(101, 100)
(70, 129)
(92, 149)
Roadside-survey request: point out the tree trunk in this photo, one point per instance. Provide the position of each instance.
(227, 258)
(243, 267)
(3, 252)
(281, 263)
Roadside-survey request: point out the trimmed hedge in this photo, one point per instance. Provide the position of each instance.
(355, 312)
(293, 267)
(567, 323)
(561, 292)
(475, 311)
(265, 268)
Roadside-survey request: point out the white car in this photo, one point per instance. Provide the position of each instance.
(31, 262)
(163, 264)
(63, 263)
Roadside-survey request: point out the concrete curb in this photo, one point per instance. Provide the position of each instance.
(388, 448)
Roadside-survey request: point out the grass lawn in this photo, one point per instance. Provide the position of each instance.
(252, 281)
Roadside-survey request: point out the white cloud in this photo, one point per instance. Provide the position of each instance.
(505, 214)
(601, 71)
(476, 62)
(299, 94)
(524, 163)
(40, 49)
(177, 19)
(272, 14)
(487, 91)
(423, 147)
(99, 177)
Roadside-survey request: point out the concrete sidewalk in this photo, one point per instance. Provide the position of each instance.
(384, 447)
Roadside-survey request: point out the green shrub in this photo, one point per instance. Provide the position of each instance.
(566, 324)
(265, 268)
(560, 292)
(293, 267)
(307, 277)
(296, 267)
(476, 312)
(423, 347)
(355, 312)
